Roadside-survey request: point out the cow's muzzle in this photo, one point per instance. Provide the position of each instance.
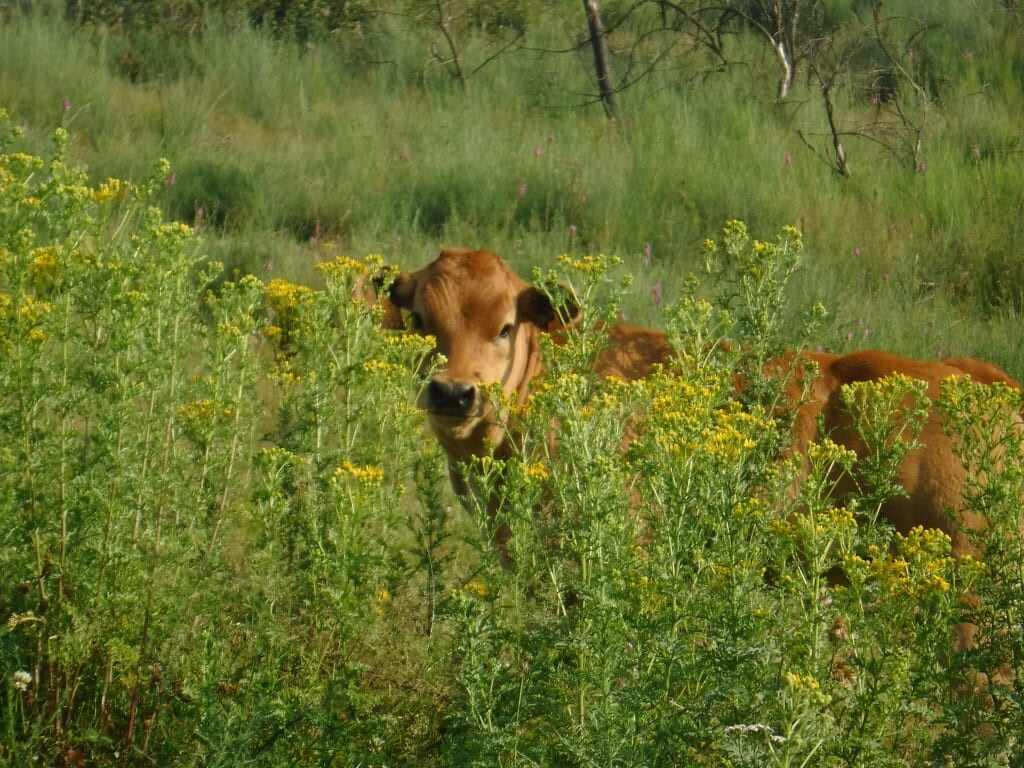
(450, 398)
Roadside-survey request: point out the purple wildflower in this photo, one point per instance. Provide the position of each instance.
(656, 294)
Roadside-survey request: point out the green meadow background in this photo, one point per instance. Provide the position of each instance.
(227, 537)
(335, 122)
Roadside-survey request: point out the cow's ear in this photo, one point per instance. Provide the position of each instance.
(550, 309)
(402, 290)
(370, 291)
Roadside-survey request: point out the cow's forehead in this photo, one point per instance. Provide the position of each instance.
(473, 286)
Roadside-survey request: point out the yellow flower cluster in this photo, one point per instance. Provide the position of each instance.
(368, 474)
(567, 387)
(275, 454)
(823, 528)
(197, 410)
(599, 263)
(734, 227)
(174, 230)
(796, 682)
(790, 231)
(719, 573)
(74, 191)
(44, 263)
(412, 343)
(536, 471)
(34, 310)
(753, 508)
(720, 434)
(893, 574)
(342, 267)
(286, 297)
(113, 189)
(674, 396)
(381, 601)
(477, 587)
(923, 564)
(923, 543)
(27, 162)
(388, 370)
(828, 453)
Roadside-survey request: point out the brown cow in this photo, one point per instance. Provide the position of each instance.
(982, 372)
(487, 322)
(932, 474)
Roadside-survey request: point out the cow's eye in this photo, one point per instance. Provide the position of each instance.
(415, 322)
(506, 331)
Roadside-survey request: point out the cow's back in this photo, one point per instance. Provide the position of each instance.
(982, 372)
(632, 353)
(932, 474)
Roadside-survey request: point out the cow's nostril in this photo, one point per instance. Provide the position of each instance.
(467, 396)
(450, 398)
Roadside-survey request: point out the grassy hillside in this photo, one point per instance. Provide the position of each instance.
(367, 145)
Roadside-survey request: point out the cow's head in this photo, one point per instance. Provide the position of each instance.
(485, 320)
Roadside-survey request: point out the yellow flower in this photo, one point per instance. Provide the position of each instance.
(368, 474)
(285, 297)
(343, 266)
(34, 310)
(111, 188)
(197, 410)
(536, 471)
(381, 601)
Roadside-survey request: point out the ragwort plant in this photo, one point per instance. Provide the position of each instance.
(328, 482)
(199, 488)
(701, 597)
(992, 442)
(102, 556)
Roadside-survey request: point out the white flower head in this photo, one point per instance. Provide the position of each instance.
(755, 728)
(22, 680)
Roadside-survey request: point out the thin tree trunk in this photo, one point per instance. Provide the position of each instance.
(442, 23)
(786, 83)
(600, 47)
(840, 154)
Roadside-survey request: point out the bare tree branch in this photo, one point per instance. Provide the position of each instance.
(599, 44)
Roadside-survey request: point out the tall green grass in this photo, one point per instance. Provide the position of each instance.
(366, 144)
